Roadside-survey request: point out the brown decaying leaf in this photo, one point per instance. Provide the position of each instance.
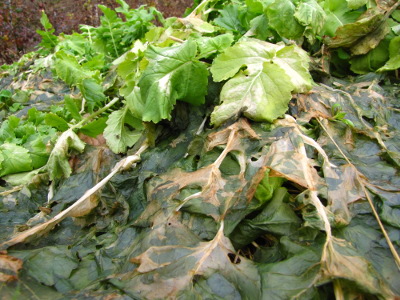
(9, 267)
(202, 260)
(209, 178)
(97, 141)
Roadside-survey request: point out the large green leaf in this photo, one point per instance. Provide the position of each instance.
(263, 90)
(173, 74)
(253, 53)
(281, 18)
(261, 96)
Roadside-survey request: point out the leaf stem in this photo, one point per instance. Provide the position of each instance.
(95, 114)
(199, 7)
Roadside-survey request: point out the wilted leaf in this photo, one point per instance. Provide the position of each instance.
(9, 267)
(362, 35)
(299, 272)
(50, 265)
(208, 268)
(276, 218)
(58, 165)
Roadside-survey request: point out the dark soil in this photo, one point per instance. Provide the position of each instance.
(19, 19)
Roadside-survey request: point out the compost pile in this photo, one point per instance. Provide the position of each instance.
(249, 150)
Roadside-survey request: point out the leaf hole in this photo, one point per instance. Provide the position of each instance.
(235, 259)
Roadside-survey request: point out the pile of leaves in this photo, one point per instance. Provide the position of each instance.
(249, 150)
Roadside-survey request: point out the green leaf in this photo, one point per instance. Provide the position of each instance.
(263, 91)
(15, 159)
(172, 74)
(44, 20)
(55, 121)
(213, 45)
(355, 4)
(281, 18)
(231, 18)
(255, 6)
(259, 28)
(7, 129)
(337, 15)
(394, 56)
(49, 40)
(69, 70)
(94, 128)
(58, 165)
(311, 15)
(373, 60)
(38, 152)
(118, 134)
(21, 178)
(135, 103)
(72, 106)
(251, 53)
(267, 187)
(92, 92)
(262, 96)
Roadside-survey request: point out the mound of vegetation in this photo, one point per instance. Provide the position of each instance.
(249, 150)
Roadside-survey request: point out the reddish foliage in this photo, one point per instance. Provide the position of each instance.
(19, 19)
